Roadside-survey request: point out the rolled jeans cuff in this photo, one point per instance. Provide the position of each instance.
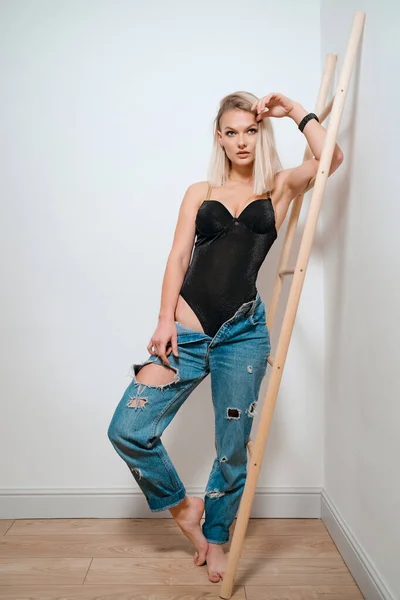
(164, 503)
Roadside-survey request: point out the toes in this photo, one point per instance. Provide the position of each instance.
(213, 577)
(199, 559)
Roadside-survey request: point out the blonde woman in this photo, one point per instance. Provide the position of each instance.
(212, 319)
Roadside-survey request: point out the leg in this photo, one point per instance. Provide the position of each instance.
(238, 365)
(136, 427)
(148, 405)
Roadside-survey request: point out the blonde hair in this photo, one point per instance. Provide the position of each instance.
(266, 162)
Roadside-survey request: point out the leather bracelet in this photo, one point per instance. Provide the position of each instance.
(307, 118)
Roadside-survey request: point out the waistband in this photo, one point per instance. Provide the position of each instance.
(248, 308)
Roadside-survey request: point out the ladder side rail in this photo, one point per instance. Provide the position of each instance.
(325, 86)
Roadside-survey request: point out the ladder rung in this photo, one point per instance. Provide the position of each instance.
(270, 360)
(286, 272)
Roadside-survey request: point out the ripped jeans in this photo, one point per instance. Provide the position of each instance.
(236, 358)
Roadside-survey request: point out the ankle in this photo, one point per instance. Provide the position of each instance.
(176, 510)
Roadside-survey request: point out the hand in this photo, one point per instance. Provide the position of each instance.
(166, 331)
(278, 106)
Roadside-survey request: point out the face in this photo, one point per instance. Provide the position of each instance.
(238, 133)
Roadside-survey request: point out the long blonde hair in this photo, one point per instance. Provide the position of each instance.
(266, 162)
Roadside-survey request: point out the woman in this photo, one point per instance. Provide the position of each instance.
(212, 319)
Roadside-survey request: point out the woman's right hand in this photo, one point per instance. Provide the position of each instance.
(164, 340)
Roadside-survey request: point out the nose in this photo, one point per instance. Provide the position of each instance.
(242, 143)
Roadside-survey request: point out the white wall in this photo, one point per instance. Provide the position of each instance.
(106, 118)
(361, 216)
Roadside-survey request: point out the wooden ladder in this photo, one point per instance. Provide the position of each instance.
(256, 449)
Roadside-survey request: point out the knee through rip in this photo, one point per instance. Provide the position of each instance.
(152, 375)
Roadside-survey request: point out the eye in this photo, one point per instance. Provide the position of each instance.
(251, 129)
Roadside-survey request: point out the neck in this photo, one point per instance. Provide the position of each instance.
(241, 174)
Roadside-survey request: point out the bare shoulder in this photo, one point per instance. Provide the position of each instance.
(199, 188)
(196, 193)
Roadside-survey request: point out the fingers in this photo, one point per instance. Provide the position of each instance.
(163, 355)
(150, 348)
(260, 108)
(262, 102)
(163, 349)
(175, 345)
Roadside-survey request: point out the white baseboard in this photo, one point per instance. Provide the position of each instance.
(269, 502)
(359, 564)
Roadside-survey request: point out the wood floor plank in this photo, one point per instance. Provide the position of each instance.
(156, 526)
(88, 546)
(285, 527)
(306, 592)
(136, 546)
(118, 592)
(93, 526)
(293, 572)
(254, 571)
(5, 525)
(57, 571)
(289, 546)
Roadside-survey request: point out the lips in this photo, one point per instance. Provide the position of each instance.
(242, 153)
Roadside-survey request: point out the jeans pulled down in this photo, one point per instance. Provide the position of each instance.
(236, 359)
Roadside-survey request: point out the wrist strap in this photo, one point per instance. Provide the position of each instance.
(307, 118)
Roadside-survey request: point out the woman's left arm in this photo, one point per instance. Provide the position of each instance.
(298, 180)
(302, 178)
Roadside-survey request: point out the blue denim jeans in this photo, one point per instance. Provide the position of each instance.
(236, 359)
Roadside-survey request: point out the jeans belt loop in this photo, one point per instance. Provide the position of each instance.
(252, 308)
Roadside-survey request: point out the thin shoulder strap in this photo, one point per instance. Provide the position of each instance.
(208, 191)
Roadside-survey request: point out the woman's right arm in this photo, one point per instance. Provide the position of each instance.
(177, 265)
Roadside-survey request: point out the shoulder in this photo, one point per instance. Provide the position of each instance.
(193, 198)
(196, 193)
(198, 188)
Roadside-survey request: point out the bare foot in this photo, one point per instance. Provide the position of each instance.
(217, 562)
(187, 515)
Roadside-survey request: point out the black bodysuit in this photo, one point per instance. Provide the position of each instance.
(228, 253)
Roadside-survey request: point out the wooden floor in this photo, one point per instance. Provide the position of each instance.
(143, 559)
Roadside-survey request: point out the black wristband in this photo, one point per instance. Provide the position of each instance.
(307, 118)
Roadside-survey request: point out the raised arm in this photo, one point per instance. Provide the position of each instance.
(302, 178)
(299, 179)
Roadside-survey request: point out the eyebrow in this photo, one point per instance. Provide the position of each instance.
(252, 125)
